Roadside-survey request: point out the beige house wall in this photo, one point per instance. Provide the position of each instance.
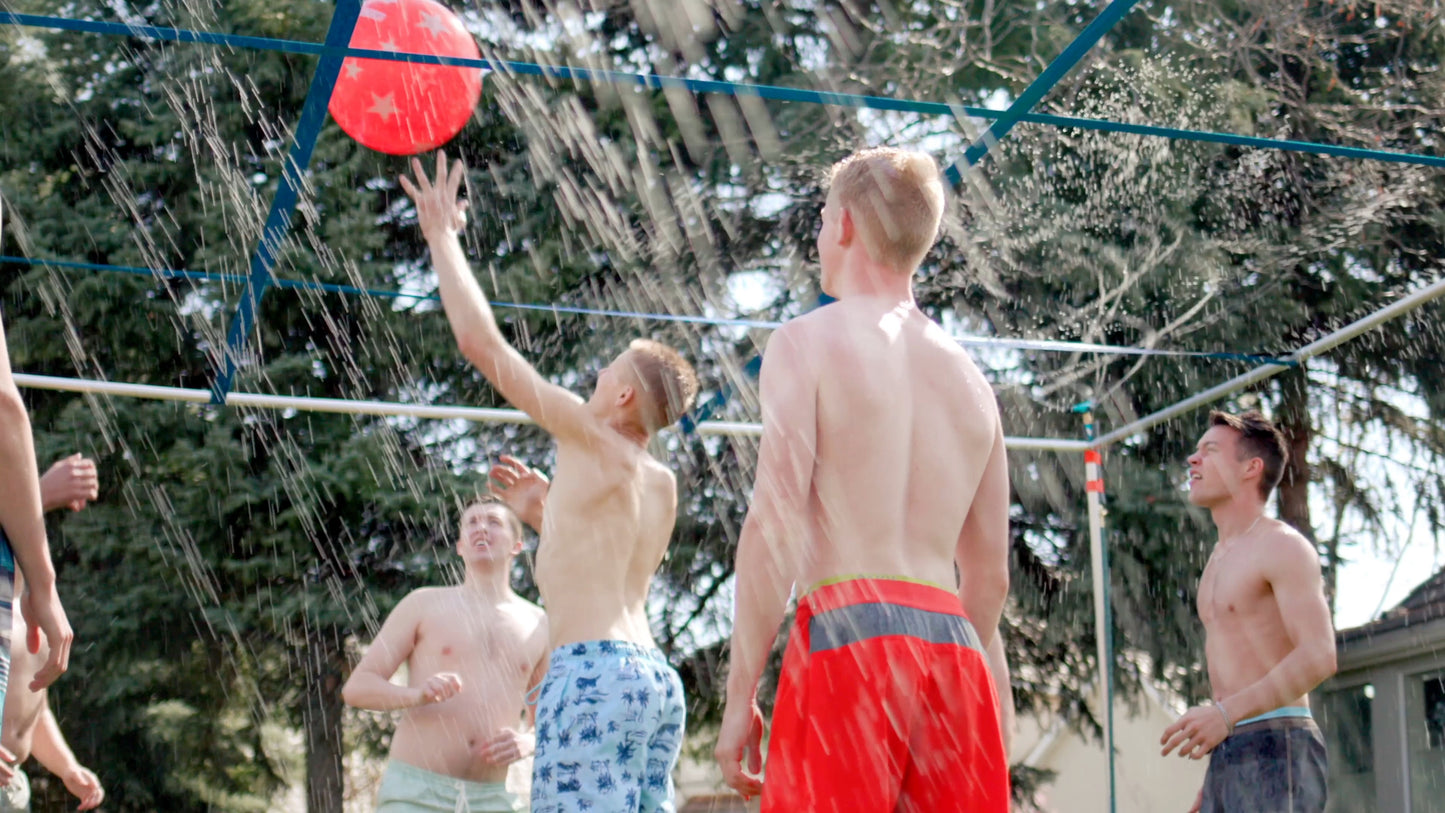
(1145, 782)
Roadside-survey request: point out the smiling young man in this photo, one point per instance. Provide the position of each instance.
(1269, 640)
(470, 651)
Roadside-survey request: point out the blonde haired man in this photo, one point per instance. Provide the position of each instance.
(610, 711)
(881, 474)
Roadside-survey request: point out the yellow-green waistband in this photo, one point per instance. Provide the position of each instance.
(831, 580)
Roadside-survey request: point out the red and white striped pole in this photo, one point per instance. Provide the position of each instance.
(1103, 618)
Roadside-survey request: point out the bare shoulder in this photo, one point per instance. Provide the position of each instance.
(408, 616)
(1286, 552)
(935, 335)
(418, 601)
(427, 602)
(526, 609)
(660, 479)
(804, 331)
(530, 619)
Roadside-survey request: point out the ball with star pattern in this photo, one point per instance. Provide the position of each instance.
(404, 108)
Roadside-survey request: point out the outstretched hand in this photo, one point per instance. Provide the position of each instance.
(522, 488)
(438, 209)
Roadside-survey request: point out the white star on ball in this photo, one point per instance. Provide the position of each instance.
(352, 68)
(389, 44)
(434, 24)
(384, 106)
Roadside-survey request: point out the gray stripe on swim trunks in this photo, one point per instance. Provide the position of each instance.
(859, 622)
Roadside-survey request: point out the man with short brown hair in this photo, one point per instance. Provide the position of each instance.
(470, 650)
(1269, 639)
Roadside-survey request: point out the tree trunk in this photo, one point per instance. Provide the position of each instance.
(1294, 489)
(323, 664)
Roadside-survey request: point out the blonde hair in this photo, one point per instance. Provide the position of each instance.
(665, 380)
(895, 198)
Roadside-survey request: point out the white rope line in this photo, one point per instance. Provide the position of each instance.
(392, 408)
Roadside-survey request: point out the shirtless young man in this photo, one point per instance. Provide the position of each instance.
(610, 712)
(22, 541)
(471, 651)
(1268, 641)
(882, 468)
(30, 728)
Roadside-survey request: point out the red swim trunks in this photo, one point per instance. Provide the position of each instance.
(885, 704)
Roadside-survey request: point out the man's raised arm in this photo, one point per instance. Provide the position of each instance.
(441, 216)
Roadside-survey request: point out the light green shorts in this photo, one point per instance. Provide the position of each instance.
(409, 789)
(15, 797)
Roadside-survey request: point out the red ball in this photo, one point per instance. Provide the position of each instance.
(403, 108)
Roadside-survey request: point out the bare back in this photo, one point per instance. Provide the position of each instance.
(607, 523)
(494, 649)
(906, 423)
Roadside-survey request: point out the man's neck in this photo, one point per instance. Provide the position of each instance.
(1236, 517)
(634, 434)
(863, 278)
(488, 581)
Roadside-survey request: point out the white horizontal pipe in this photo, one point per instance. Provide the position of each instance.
(350, 407)
(1046, 445)
(1321, 345)
(50, 382)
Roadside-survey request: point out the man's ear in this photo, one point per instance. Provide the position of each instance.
(847, 229)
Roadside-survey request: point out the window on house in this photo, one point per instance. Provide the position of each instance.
(1425, 738)
(1346, 717)
(1434, 691)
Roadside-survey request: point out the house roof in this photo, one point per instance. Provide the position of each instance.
(1425, 604)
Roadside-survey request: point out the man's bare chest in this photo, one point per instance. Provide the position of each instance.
(473, 646)
(1232, 588)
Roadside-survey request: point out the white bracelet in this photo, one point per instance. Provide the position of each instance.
(1225, 715)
